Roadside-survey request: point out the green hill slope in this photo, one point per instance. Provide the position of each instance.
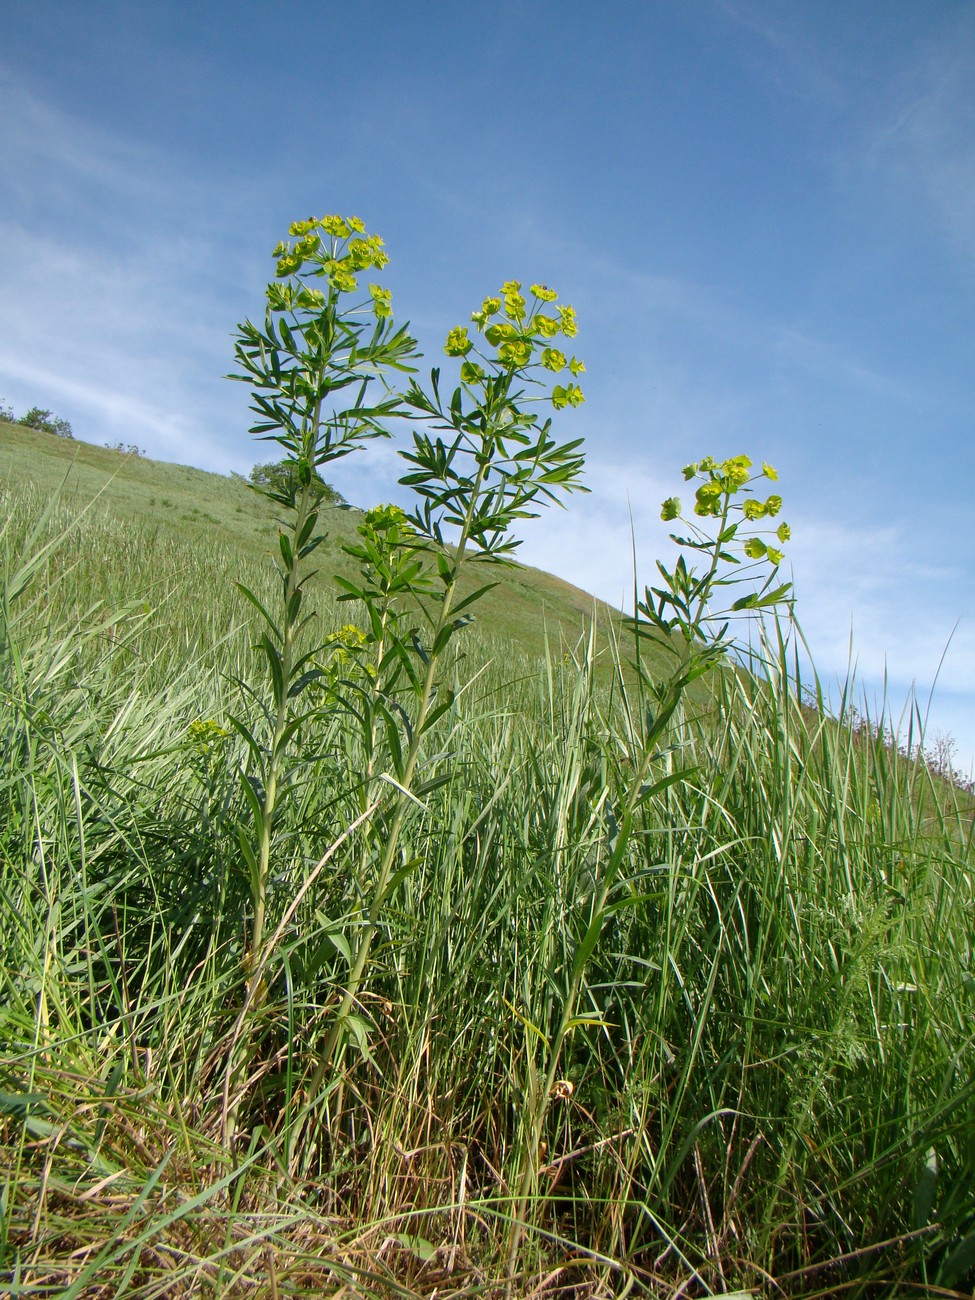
(188, 505)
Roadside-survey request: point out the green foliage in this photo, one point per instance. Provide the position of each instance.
(311, 369)
(126, 448)
(346, 950)
(45, 421)
(774, 1004)
(279, 480)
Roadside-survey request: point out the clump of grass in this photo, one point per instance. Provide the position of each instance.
(372, 958)
(771, 1067)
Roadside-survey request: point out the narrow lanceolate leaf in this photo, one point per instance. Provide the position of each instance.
(256, 805)
(587, 944)
(256, 748)
(273, 659)
(255, 601)
(436, 713)
(473, 597)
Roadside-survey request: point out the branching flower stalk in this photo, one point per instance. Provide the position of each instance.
(485, 463)
(679, 618)
(320, 344)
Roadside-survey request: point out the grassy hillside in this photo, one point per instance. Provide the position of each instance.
(654, 1005)
(177, 504)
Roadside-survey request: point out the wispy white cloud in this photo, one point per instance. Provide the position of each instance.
(114, 305)
(925, 142)
(795, 61)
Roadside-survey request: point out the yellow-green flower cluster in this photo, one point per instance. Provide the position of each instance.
(205, 733)
(381, 518)
(345, 643)
(722, 481)
(458, 344)
(350, 637)
(382, 301)
(206, 737)
(516, 326)
(347, 251)
(754, 509)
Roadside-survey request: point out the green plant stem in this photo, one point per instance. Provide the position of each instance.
(254, 956)
(399, 817)
(541, 1098)
(282, 716)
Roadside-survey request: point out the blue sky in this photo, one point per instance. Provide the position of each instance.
(763, 213)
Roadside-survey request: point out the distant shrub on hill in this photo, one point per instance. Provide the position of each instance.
(281, 478)
(46, 421)
(126, 448)
(37, 418)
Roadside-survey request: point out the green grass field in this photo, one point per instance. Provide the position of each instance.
(752, 1071)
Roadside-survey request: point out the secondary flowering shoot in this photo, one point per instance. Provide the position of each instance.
(517, 329)
(721, 484)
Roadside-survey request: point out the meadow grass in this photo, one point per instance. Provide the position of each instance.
(761, 1079)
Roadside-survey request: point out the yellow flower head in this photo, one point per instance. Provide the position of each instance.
(571, 395)
(380, 518)
(288, 264)
(341, 277)
(335, 226)
(489, 308)
(367, 252)
(569, 327)
(458, 344)
(543, 293)
(382, 301)
(350, 636)
(516, 351)
(553, 359)
(514, 305)
(734, 472)
(708, 499)
(498, 332)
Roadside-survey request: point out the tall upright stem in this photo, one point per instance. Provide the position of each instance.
(337, 1028)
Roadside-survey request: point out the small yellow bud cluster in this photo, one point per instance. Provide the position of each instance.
(515, 327)
(205, 732)
(205, 737)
